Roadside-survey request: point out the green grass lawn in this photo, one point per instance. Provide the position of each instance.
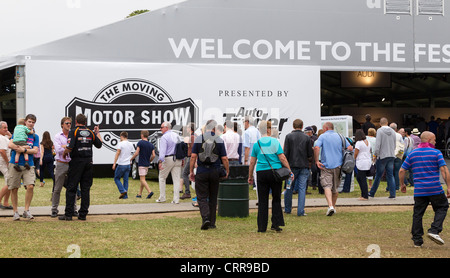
(348, 234)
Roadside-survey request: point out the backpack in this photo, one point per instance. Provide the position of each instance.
(208, 153)
(399, 149)
(348, 160)
(181, 150)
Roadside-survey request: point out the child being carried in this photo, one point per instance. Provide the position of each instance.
(20, 134)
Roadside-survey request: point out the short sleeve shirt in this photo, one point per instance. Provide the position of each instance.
(267, 154)
(145, 153)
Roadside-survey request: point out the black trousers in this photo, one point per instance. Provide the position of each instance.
(207, 189)
(80, 172)
(266, 182)
(361, 177)
(440, 206)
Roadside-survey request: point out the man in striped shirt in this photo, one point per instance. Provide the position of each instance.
(426, 163)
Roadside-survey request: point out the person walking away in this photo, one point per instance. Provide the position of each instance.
(232, 143)
(208, 153)
(415, 136)
(399, 152)
(146, 152)
(409, 146)
(168, 164)
(329, 148)
(368, 124)
(47, 160)
(80, 143)
(298, 152)
(371, 137)
(385, 155)
(28, 176)
(190, 138)
(5, 156)
(251, 136)
(426, 163)
(267, 154)
(122, 164)
(363, 158)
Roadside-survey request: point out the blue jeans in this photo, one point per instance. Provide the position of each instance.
(381, 165)
(300, 182)
(122, 171)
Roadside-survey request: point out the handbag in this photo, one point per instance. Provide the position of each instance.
(280, 174)
(372, 171)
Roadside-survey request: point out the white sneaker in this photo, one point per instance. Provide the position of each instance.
(27, 214)
(16, 216)
(330, 211)
(174, 202)
(160, 201)
(436, 238)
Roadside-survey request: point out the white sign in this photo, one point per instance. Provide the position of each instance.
(135, 96)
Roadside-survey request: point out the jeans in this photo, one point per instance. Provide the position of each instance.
(440, 207)
(122, 171)
(397, 166)
(301, 176)
(388, 165)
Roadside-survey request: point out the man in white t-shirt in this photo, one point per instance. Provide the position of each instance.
(122, 164)
(251, 136)
(232, 142)
(5, 156)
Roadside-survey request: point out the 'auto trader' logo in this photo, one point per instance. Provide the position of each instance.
(132, 105)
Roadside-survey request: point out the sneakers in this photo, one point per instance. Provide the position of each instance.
(27, 214)
(16, 216)
(160, 201)
(330, 211)
(436, 238)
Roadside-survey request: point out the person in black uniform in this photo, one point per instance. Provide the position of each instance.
(79, 145)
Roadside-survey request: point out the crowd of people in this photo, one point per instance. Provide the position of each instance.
(312, 157)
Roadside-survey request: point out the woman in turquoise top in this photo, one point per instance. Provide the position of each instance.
(267, 152)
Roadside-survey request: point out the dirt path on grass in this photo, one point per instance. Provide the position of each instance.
(188, 214)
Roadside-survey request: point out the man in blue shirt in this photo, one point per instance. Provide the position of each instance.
(208, 173)
(28, 175)
(168, 164)
(329, 147)
(427, 163)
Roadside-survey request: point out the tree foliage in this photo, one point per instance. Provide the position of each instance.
(137, 12)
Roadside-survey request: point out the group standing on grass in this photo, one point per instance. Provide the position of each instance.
(387, 151)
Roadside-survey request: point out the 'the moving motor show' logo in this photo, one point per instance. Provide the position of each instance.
(132, 105)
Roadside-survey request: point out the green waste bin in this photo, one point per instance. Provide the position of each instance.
(233, 197)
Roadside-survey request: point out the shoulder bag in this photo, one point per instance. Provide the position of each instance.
(280, 174)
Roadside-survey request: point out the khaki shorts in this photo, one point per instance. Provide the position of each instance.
(143, 171)
(4, 170)
(330, 178)
(14, 177)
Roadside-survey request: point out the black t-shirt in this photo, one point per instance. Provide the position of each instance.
(80, 142)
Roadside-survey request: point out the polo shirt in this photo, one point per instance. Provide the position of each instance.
(425, 162)
(330, 144)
